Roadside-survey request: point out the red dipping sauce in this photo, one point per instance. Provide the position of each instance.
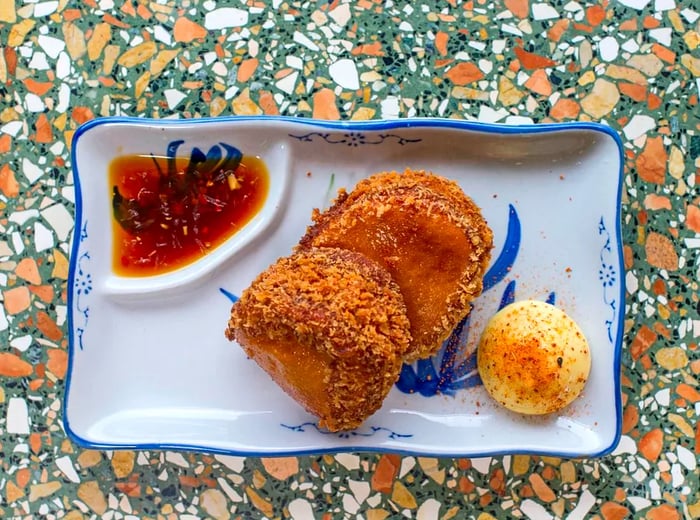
(163, 221)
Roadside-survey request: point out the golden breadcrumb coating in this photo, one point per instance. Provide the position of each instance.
(330, 327)
(426, 232)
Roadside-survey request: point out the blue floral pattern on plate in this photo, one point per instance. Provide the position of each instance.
(608, 276)
(360, 432)
(355, 139)
(83, 288)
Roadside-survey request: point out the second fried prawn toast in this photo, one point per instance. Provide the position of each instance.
(427, 233)
(330, 327)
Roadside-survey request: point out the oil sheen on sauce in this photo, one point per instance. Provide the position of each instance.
(165, 218)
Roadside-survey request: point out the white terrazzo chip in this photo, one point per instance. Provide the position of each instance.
(390, 107)
(287, 83)
(304, 40)
(638, 126)
(65, 464)
(663, 35)
(64, 67)
(626, 445)
(68, 193)
(235, 464)
(21, 217)
(428, 510)
(17, 416)
(608, 48)
(161, 34)
(43, 237)
(231, 493)
(39, 62)
(573, 7)
(482, 464)
(300, 509)
(489, 115)
(12, 128)
(4, 324)
(630, 46)
(519, 120)
(50, 45)
(173, 97)
(350, 505)
(22, 343)
(33, 103)
(344, 73)
(17, 242)
(294, 62)
(60, 219)
(63, 98)
(585, 504)
(341, 14)
(176, 458)
(534, 511)
(225, 17)
(635, 4)
(45, 8)
(687, 458)
(677, 477)
(690, 15)
(544, 12)
(348, 461)
(360, 490)
(31, 171)
(664, 5)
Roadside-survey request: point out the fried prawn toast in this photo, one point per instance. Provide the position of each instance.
(426, 232)
(330, 327)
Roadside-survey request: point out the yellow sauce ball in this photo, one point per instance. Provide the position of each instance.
(533, 358)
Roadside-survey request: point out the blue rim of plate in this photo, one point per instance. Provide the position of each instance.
(373, 125)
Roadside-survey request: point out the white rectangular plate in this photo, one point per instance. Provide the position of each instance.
(150, 366)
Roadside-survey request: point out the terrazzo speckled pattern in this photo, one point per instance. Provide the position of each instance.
(632, 64)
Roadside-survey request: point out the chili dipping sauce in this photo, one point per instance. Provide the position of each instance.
(167, 213)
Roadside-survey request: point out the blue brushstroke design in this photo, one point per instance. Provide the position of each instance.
(508, 295)
(453, 346)
(213, 162)
(501, 267)
(233, 154)
(552, 298)
(427, 377)
(450, 369)
(457, 373)
(171, 154)
(407, 379)
(228, 295)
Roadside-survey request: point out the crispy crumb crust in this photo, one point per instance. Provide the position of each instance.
(417, 194)
(338, 303)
